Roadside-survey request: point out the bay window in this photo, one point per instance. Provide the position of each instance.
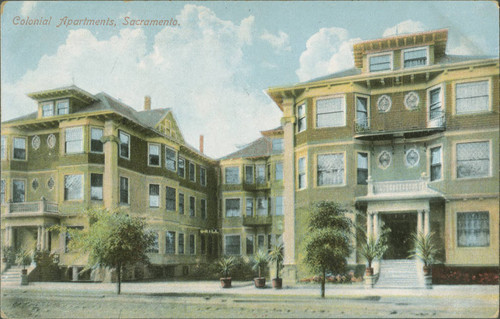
(96, 145)
(170, 198)
(170, 159)
(73, 187)
(232, 175)
(19, 148)
(330, 169)
(232, 245)
(74, 140)
(472, 97)
(96, 186)
(170, 242)
(473, 159)
(232, 207)
(436, 163)
(18, 191)
(154, 195)
(330, 112)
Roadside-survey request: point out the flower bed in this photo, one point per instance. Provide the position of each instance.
(444, 275)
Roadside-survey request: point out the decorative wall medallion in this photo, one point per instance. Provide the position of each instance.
(411, 100)
(384, 103)
(34, 184)
(35, 142)
(384, 159)
(51, 141)
(50, 183)
(412, 157)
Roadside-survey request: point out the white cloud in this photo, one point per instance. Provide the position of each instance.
(279, 42)
(327, 51)
(408, 26)
(192, 69)
(27, 7)
(461, 45)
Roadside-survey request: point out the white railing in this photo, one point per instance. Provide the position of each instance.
(41, 206)
(390, 187)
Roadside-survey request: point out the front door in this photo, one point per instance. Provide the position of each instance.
(402, 226)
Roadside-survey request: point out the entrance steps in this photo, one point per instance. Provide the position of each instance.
(398, 273)
(12, 274)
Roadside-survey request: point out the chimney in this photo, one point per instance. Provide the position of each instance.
(201, 143)
(147, 103)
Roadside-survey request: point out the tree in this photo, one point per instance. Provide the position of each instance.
(113, 239)
(372, 248)
(328, 242)
(276, 255)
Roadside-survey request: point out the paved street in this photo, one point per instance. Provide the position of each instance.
(207, 299)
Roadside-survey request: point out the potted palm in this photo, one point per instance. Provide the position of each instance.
(372, 249)
(276, 255)
(23, 258)
(425, 249)
(225, 265)
(260, 261)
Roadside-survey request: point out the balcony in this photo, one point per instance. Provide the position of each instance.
(399, 124)
(38, 208)
(257, 220)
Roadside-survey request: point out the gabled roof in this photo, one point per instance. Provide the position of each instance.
(152, 117)
(258, 148)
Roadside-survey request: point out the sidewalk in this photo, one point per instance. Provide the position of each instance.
(193, 288)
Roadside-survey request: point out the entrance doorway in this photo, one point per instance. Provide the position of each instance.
(402, 226)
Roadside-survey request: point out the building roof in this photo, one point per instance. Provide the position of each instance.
(258, 148)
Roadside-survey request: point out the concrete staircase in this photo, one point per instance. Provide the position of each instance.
(399, 273)
(12, 275)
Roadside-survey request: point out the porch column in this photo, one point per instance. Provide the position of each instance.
(75, 273)
(427, 222)
(376, 225)
(111, 178)
(9, 236)
(369, 225)
(420, 225)
(39, 238)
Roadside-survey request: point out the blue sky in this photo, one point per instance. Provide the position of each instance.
(213, 67)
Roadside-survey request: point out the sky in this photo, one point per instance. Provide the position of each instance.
(213, 66)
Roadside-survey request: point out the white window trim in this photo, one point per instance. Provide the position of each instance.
(159, 154)
(225, 210)
(305, 173)
(56, 108)
(441, 98)
(178, 160)
(344, 182)
(298, 118)
(175, 198)
(83, 188)
(203, 182)
(368, 111)
(391, 61)
(82, 145)
(454, 159)
(253, 206)
(90, 139)
(119, 144)
(25, 149)
(427, 60)
(327, 97)
(47, 103)
(454, 97)
(239, 175)
(128, 190)
(176, 156)
(225, 240)
(159, 196)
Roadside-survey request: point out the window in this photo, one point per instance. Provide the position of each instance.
(260, 242)
(47, 109)
(170, 242)
(203, 245)
(210, 243)
(269, 242)
(74, 140)
(473, 159)
(154, 195)
(96, 186)
(154, 246)
(472, 97)
(302, 173)
(330, 169)
(435, 104)
(124, 145)
(96, 145)
(261, 206)
(203, 176)
(19, 148)
(181, 167)
(279, 206)
(192, 247)
(232, 207)
(232, 245)
(62, 107)
(415, 57)
(380, 62)
(249, 174)
(170, 198)
(260, 177)
(123, 190)
(73, 187)
(249, 207)
(249, 245)
(180, 244)
(330, 112)
(170, 159)
(4, 147)
(192, 172)
(154, 154)
(192, 207)
(436, 163)
(362, 168)
(268, 172)
(361, 112)
(232, 175)
(277, 145)
(18, 190)
(301, 118)
(203, 203)
(473, 229)
(278, 173)
(181, 204)
(2, 192)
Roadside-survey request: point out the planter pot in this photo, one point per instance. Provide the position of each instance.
(260, 282)
(24, 279)
(427, 270)
(225, 282)
(428, 281)
(369, 281)
(369, 271)
(277, 283)
(24, 271)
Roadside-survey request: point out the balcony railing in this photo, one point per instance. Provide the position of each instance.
(399, 121)
(38, 207)
(391, 187)
(257, 220)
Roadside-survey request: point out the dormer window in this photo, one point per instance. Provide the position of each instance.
(47, 109)
(62, 107)
(415, 57)
(380, 62)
